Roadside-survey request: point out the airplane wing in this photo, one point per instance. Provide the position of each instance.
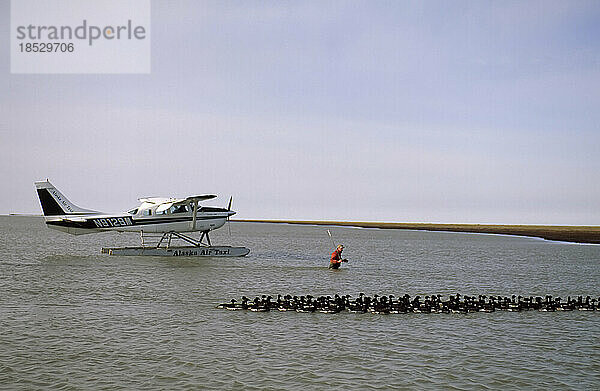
(166, 203)
(157, 200)
(162, 200)
(185, 201)
(179, 201)
(202, 197)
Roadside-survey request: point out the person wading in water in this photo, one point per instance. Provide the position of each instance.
(336, 258)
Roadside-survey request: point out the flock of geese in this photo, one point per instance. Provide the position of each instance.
(405, 304)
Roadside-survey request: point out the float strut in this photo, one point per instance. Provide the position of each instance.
(205, 233)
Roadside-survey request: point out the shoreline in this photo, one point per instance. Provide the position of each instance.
(562, 233)
(585, 234)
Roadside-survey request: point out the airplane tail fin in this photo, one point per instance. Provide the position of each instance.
(54, 203)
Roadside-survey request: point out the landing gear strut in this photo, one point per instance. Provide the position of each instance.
(167, 237)
(205, 233)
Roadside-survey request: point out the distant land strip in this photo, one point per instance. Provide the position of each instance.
(564, 233)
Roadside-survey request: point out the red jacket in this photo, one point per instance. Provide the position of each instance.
(335, 256)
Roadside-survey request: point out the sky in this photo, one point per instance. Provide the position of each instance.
(424, 111)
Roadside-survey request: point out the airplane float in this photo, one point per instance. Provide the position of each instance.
(165, 219)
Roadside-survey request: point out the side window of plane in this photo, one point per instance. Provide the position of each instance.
(146, 212)
(179, 209)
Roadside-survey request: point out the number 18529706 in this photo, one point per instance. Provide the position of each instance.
(50, 47)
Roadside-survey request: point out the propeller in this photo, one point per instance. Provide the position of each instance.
(229, 209)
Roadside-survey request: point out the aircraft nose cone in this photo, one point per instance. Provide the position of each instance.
(230, 213)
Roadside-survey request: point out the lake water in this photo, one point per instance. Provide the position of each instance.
(71, 318)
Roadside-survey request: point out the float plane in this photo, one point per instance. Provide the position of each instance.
(170, 217)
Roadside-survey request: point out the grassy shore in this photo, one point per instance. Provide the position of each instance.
(565, 233)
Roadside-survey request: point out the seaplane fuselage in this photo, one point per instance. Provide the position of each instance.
(153, 215)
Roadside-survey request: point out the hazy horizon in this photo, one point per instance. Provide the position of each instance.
(462, 112)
